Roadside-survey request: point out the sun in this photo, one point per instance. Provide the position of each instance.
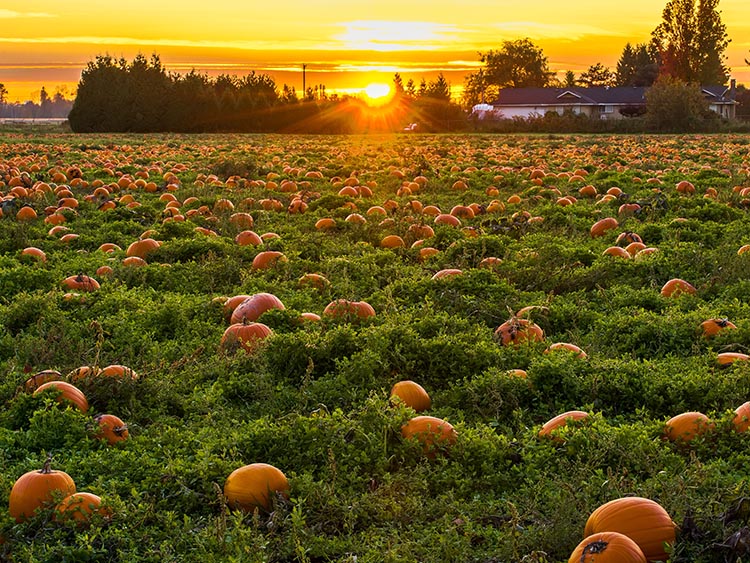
(377, 93)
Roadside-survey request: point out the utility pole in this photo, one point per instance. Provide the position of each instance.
(304, 90)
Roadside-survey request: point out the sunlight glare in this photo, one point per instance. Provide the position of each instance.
(377, 90)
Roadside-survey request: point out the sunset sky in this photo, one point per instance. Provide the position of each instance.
(346, 44)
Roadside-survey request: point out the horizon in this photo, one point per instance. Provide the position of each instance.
(361, 45)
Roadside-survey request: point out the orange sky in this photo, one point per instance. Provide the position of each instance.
(346, 44)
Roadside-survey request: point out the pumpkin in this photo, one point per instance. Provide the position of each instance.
(26, 213)
(676, 287)
(248, 335)
(142, 247)
(607, 547)
(642, 520)
(254, 306)
(81, 282)
(317, 281)
(686, 426)
(119, 371)
(253, 486)
(66, 393)
(35, 489)
(712, 327)
(616, 251)
(268, 259)
(230, 304)
(111, 428)
(309, 317)
(392, 241)
(431, 432)
(342, 309)
(728, 358)
(603, 226)
(447, 219)
(741, 420)
(83, 372)
(568, 347)
(561, 420)
(491, 262)
(39, 378)
(246, 238)
(446, 273)
(34, 252)
(628, 237)
(743, 249)
(411, 394)
(517, 331)
(78, 508)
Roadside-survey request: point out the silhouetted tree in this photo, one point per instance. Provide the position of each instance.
(691, 40)
(638, 65)
(597, 75)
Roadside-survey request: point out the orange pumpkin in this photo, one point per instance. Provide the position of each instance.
(268, 259)
(80, 507)
(616, 251)
(517, 331)
(314, 280)
(676, 287)
(246, 238)
(34, 252)
(35, 489)
(231, 304)
(66, 393)
(568, 347)
(81, 282)
(348, 310)
(412, 395)
(254, 306)
(603, 226)
(111, 428)
(607, 547)
(33, 382)
(446, 273)
(142, 248)
(431, 432)
(712, 327)
(728, 358)
(253, 486)
(561, 420)
(741, 420)
(392, 241)
(119, 371)
(686, 426)
(247, 335)
(642, 520)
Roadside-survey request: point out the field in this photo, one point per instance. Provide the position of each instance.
(446, 238)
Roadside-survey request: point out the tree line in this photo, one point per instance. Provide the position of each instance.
(141, 96)
(55, 106)
(688, 46)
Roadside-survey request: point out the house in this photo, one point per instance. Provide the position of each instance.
(603, 102)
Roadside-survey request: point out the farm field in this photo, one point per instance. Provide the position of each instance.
(513, 278)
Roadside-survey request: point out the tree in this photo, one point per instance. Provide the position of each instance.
(691, 41)
(4, 94)
(517, 64)
(676, 106)
(597, 75)
(638, 65)
(570, 79)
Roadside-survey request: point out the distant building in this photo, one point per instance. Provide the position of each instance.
(603, 102)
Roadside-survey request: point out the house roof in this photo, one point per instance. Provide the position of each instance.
(574, 96)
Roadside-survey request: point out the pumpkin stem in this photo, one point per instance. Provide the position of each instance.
(594, 547)
(46, 469)
(120, 430)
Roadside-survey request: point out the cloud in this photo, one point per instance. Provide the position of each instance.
(12, 14)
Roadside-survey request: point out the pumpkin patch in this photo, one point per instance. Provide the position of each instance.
(432, 349)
